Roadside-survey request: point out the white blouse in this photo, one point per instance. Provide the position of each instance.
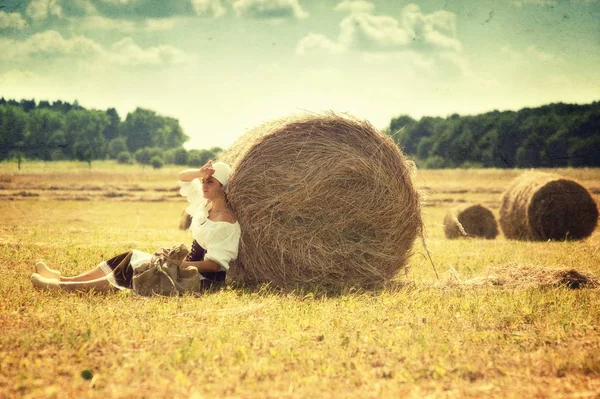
(219, 239)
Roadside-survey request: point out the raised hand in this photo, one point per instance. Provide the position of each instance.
(206, 171)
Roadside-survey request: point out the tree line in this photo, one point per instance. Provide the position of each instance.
(64, 131)
(554, 135)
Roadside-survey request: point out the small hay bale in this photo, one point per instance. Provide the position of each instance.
(542, 206)
(321, 199)
(470, 221)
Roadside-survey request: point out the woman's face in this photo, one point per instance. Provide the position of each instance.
(211, 188)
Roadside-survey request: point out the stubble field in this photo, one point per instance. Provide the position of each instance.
(416, 338)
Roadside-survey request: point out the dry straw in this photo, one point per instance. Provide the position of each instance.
(541, 206)
(519, 275)
(323, 199)
(475, 221)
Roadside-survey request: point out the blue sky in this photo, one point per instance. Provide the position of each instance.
(224, 66)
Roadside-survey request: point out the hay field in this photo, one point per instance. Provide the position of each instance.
(413, 339)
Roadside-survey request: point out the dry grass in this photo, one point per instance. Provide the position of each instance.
(412, 340)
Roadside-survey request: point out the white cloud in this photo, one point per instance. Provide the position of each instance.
(371, 32)
(520, 3)
(212, 8)
(127, 53)
(12, 20)
(49, 43)
(39, 10)
(16, 75)
(316, 41)
(542, 55)
(52, 46)
(364, 31)
(529, 55)
(437, 29)
(100, 23)
(356, 6)
(269, 9)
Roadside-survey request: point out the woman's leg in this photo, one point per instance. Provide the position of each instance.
(43, 270)
(100, 284)
(94, 274)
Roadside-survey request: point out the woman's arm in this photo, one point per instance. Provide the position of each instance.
(203, 266)
(190, 174)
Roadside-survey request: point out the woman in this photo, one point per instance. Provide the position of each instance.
(214, 228)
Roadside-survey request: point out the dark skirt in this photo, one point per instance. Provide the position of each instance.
(122, 271)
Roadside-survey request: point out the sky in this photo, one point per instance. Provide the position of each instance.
(221, 67)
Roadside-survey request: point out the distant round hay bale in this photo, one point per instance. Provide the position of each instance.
(542, 206)
(470, 221)
(323, 199)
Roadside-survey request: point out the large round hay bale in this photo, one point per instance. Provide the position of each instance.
(542, 206)
(474, 221)
(323, 199)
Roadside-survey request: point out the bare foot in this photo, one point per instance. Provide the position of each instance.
(43, 270)
(43, 283)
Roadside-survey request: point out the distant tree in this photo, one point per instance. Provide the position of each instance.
(85, 130)
(140, 127)
(488, 147)
(117, 146)
(61, 106)
(585, 152)
(112, 129)
(27, 105)
(57, 154)
(124, 157)
(176, 156)
(509, 139)
(557, 149)
(13, 125)
(18, 156)
(434, 162)
(530, 153)
(411, 135)
(45, 133)
(144, 128)
(546, 136)
(424, 148)
(170, 135)
(199, 157)
(156, 162)
(76, 105)
(397, 125)
(84, 153)
(142, 156)
(145, 155)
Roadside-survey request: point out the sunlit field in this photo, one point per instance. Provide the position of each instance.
(414, 338)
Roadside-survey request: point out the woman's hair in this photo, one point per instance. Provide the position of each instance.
(226, 198)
